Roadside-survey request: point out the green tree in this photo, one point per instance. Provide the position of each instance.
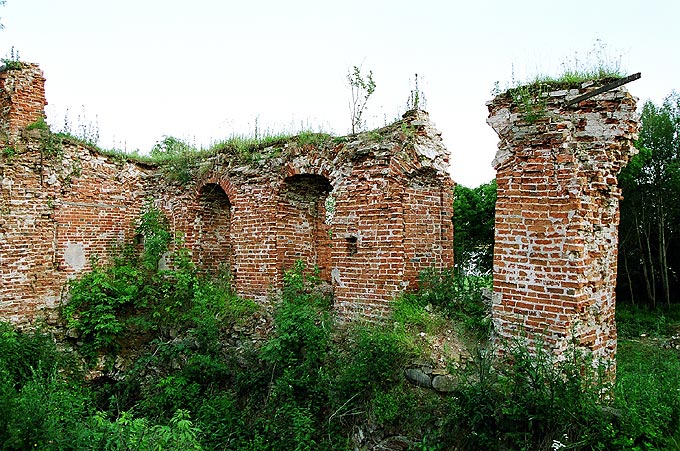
(649, 246)
(362, 87)
(473, 224)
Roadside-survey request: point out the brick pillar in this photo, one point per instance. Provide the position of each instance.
(22, 100)
(557, 216)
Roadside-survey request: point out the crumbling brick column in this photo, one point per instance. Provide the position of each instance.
(22, 100)
(557, 215)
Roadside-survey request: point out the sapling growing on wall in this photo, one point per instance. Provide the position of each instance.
(416, 99)
(362, 88)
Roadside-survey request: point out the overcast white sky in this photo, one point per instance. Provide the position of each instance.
(203, 70)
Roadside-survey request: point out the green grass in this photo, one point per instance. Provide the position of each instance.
(181, 162)
(648, 393)
(595, 64)
(574, 77)
(530, 96)
(635, 321)
(311, 384)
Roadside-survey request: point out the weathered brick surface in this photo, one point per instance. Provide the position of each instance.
(57, 214)
(391, 215)
(22, 100)
(557, 218)
(60, 205)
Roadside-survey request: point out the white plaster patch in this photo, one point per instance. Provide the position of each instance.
(164, 262)
(74, 255)
(500, 121)
(335, 275)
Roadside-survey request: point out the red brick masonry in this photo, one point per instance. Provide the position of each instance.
(388, 192)
(557, 217)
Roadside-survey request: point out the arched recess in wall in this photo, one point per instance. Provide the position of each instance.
(303, 229)
(214, 246)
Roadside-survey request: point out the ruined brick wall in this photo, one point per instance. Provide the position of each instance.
(22, 100)
(389, 213)
(57, 213)
(557, 216)
(63, 204)
(302, 232)
(213, 247)
(428, 204)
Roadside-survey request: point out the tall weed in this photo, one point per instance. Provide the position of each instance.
(459, 297)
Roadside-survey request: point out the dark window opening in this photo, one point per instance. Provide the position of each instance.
(352, 245)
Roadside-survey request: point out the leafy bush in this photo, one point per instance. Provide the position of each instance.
(303, 324)
(372, 360)
(457, 296)
(297, 354)
(527, 402)
(98, 300)
(138, 294)
(130, 433)
(25, 355)
(41, 396)
(177, 159)
(42, 413)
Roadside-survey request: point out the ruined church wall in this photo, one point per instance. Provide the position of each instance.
(556, 228)
(64, 205)
(58, 214)
(426, 199)
(22, 100)
(382, 230)
(367, 248)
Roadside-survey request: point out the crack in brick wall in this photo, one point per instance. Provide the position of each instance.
(557, 216)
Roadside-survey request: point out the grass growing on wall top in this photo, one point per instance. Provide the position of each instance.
(530, 96)
(181, 161)
(595, 64)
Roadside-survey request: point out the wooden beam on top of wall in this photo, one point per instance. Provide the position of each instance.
(605, 88)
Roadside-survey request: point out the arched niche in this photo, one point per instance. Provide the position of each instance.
(214, 246)
(302, 223)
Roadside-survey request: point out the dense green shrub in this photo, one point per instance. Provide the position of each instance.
(138, 296)
(41, 398)
(526, 403)
(372, 360)
(310, 385)
(298, 354)
(457, 297)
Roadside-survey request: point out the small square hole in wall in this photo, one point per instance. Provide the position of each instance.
(351, 245)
